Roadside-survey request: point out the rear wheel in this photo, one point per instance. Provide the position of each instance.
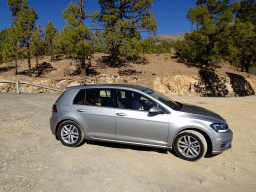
(190, 145)
(70, 134)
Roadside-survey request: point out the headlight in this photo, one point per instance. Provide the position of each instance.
(219, 127)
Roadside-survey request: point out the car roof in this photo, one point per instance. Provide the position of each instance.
(113, 86)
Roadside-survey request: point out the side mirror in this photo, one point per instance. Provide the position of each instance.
(155, 110)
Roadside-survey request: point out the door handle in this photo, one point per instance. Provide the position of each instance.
(120, 114)
(80, 110)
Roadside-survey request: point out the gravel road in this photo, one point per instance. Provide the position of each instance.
(31, 159)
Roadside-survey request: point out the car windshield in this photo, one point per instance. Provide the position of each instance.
(170, 103)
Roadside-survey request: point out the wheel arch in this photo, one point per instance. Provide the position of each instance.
(206, 136)
(63, 120)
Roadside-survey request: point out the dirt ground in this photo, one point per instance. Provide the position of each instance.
(31, 159)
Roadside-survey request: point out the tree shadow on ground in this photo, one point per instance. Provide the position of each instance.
(128, 72)
(197, 63)
(89, 72)
(211, 85)
(105, 61)
(43, 69)
(200, 65)
(59, 57)
(39, 71)
(6, 68)
(240, 85)
(140, 61)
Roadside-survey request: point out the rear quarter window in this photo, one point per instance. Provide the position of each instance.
(80, 98)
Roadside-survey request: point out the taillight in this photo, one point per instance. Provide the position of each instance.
(54, 109)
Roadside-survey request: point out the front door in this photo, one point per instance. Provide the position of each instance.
(135, 124)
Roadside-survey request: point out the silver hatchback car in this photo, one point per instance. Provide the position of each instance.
(140, 116)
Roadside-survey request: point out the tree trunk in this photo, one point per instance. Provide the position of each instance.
(37, 62)
(17, 58)
(88, 67)
(82, 67)
(247, 65)
(242, 67)
(52, 56)
(29, 64)
(16, 65)
(114, 60)
(80, 12)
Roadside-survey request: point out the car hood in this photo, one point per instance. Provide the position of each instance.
(195, 110)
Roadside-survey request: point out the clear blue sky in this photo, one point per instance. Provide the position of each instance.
(170, 14)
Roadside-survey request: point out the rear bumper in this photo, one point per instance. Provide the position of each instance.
(53, 123)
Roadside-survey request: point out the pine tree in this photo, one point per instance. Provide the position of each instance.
(82, 14)
(244, 33)
(76, 37)
(37, 44)
(3, 34)
(25, 24)
(15, 6)
(63, 43)
(122, 21)
(211, 40)
(245, 10)
(10, 48)
(50, 34)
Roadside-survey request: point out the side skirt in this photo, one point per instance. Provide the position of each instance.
(132, 143)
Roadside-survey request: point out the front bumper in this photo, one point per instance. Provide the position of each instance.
(222, 143)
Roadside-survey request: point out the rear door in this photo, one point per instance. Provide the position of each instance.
(94, 109)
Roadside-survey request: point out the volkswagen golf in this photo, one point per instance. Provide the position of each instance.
(137, 115)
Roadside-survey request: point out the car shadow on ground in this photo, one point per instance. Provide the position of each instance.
(137, 148)
(126, 146)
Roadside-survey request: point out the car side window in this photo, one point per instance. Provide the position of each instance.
(98, 97)
(132, 100)
(80, 98)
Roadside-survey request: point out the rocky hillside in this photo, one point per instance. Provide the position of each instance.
(162, 72)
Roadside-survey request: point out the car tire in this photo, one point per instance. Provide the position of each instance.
(190, 145)
(70, 134)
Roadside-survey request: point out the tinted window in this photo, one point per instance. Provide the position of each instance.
(132, 100)
(80, 97)
(167, 101)
(98, 97)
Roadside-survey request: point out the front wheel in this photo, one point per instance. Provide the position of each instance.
(190, 145)
(70, 134)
